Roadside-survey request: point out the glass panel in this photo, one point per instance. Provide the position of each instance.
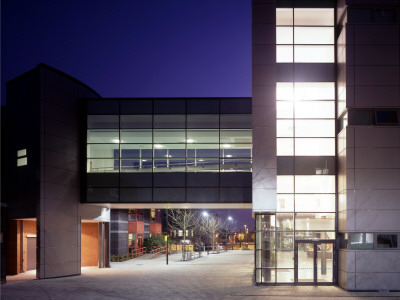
(169, 121)
(284, 240)
(305, 268)
(314, 109)
(103, 150)
(313, 54)
(314, 128)
(202, 136)
(267, 240)
(265, 275)
(236, 165)
(103, 121)
(285, 202)
(202, 121)
(102, 165)
(236, 121)
(284, 221)
(284, 147)
(169, 150)
(236, 150)
(102, 136)
(203, 165)
(284, 109)
(314, 91)
(285, 184)
(284, 16)
(325, 262)
(361, 241)
(314, 184)
(285, 275)
(136, 165)
(284, 90)
(136, 121)
(315, 202)
(314, 16)
(315, 146)
(235, 136)
(284, 35)
(314, 35)
(284, 54)
(136, 151)
(315, 221)
(266, 259)
(202, 150)
(321, 235)
(285, 259)
(386, 240)
(136, 136)
(284, 128)
(169, 136)
(169, 165)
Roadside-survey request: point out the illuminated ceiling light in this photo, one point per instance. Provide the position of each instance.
(229, 155)
(226, 146)
(190, 141)
(168, 155)
(201, 159)
(158, 146)
(115, 141)
(144, 159)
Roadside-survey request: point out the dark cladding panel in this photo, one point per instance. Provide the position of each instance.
(203, 106)
(102, 180)
(102, 107)
(136, 180)
(236, 179)
(202, 195)
(139, 106)
(173, 195)
(285, 165)
(168, 106)
(102, 195)
(169, 179)
(202, 179)
(139, 195)
(235, 106)
(235, 195)
(315, 165)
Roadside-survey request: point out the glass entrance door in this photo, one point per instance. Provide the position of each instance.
(314, 262)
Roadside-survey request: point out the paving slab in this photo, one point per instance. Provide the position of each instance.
(228, 275)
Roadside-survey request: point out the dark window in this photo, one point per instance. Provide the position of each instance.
(386, 117)
(386, 241)
(385, 16)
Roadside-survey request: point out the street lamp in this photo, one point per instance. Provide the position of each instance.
(230, 219)
(205, 214)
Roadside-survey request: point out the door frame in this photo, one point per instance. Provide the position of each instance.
(315, 245)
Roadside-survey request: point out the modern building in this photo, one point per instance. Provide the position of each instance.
(315, 153)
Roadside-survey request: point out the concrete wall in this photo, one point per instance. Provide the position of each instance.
(264, 106)
(369, 160)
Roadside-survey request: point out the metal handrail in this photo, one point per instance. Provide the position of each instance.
(138, 251)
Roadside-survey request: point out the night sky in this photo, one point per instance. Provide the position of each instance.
(129, 48)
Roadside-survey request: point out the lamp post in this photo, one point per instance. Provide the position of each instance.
(230, 219)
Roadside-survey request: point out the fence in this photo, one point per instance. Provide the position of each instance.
(138, 251)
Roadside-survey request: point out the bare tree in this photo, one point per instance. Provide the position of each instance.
(182, 219)
(212, 225)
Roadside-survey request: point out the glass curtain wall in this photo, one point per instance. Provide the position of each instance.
(305, 147)
(169, 143)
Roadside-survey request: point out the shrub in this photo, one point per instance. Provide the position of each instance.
(154, 242)
(120, 257)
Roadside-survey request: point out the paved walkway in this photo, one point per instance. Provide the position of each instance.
(215, 276)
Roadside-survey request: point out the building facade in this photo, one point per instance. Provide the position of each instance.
(314, 153)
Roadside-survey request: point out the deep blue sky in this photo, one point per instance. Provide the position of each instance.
(131, 48)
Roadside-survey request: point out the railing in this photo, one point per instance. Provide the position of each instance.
(161, 250)
(138, 252)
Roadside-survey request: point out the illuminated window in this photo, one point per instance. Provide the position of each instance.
(22, 159)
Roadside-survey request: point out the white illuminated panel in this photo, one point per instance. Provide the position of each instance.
(315, 202)
(21, 153)
(284, 16)
(284, 35)
(284, 54)
(314, 16)
(314, 91)
(284, 147)
(315, 146)
(314, 54)
(315, 183)
(284, 128)
(284, 91)
(312, 35)
(313, 109)
(22, 161)
(315, 128)
(285, 184)
(284, 109)
(285, 202)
